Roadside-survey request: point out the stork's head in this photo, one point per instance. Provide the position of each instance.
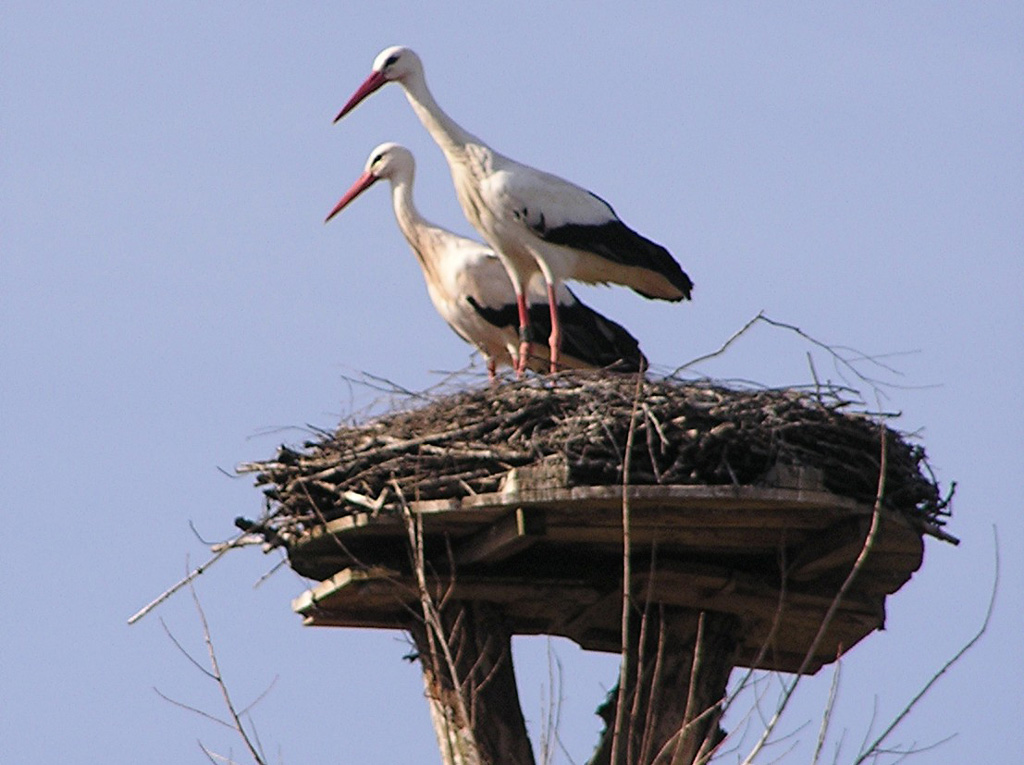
(389, 160)
(394, 63)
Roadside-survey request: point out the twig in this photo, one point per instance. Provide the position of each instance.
(858, 564)
(238, 541)
(873, 748)
(432, 622)
(648, 738)
(215, 667)
(190, 708)
(691, 694)
(826, 716)
(673, 740)
(214, 674)
(722, 349)
(552, 719)
(273, 570)
(185, 653)
(627, 603)
(765, 644)
(640, 660)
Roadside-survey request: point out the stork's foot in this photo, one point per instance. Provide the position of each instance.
(553, 343)
(524, 357)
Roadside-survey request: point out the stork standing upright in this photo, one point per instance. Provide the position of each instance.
(532, 219)
(471, 290)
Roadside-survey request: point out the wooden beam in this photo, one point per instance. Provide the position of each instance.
(705, 588)
(833, 548)
(512, 534)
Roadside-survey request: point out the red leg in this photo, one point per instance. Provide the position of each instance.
(492, 371)
(555, 341)
(524, 335)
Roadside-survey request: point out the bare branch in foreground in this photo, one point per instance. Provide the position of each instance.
(627, 574)
(826, 716)
(874, 748)
(242, 540)
(858, 564)
(214, 673)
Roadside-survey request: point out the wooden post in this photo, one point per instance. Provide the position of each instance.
(483, 687)
(665, 701)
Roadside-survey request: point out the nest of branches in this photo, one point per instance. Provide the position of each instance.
(683, 433)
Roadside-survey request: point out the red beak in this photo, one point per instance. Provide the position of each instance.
(373, 82)
(366, 180)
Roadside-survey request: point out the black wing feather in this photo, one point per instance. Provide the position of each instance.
(617, 242)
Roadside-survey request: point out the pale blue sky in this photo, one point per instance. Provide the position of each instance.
(171, 304)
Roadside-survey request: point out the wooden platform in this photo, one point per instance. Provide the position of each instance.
(551, 558)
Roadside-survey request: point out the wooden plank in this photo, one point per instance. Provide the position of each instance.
(379, 620)
(781, 661)
(500, 541)
(726, 497)
(673, 506)
(834, 548)
(796, 477)
(378, 578)
(380, 585)
(896, 548)
(704, 588)
(550, 473)
(754, 538)
(667, 516)
(357, 524)
(385, 599)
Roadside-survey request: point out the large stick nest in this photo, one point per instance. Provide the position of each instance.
(684, 433)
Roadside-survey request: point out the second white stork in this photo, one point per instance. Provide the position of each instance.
(532, 219)
(471, 290)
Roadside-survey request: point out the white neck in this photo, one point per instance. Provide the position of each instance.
(416, 229)
(448, 134)
(408, 217)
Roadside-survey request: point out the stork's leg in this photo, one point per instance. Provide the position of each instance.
(555, 340)
(492, 371)
(524, 336)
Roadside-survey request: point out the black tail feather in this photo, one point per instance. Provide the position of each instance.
(591, 337)
(617, 242)
(587, 336)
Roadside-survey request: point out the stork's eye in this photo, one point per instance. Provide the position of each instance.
(378, 158)
(390, 60)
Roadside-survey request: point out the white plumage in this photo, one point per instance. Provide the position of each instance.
(470, 288)
(535, 221)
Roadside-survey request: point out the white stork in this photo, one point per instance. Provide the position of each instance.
(471, 290)
(533, 220)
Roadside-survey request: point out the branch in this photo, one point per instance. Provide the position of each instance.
(688, 712)
(858, 564)
(239, 541)
(214, 674)
(433, 625)
(826, 716)
(620, 707)
(848, 362)
(874, 747)
(215, 667)
(724, 347)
